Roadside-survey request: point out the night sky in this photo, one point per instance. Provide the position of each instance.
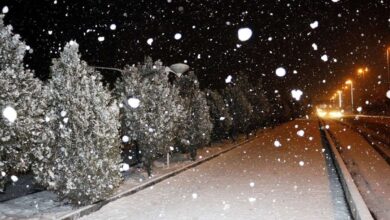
(352, 33)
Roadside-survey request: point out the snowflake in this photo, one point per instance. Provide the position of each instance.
(10, 114)
(150, 41)
(296, 94)
(244, 34)
(315, 47)
(280, 72)
(177, 36)
(324, 57)
(314, 25)
(14, 178)
(125, 139)
(228, 79)
(101, 38)
(113, 26)
(124, 167)
(388, 94)
(133, 102)
(5, 10)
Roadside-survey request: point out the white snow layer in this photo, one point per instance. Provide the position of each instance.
(218, 189)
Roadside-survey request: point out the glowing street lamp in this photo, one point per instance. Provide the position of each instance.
(362, 71)
(349, 82)
(388, 66)
(339, 92)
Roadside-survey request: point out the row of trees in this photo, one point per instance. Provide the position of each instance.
(65, 131)
(68, 130)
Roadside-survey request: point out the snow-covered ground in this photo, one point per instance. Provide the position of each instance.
(46, 205)
(369, 170)
(259, 180)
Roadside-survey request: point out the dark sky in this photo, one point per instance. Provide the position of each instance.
(354, 32)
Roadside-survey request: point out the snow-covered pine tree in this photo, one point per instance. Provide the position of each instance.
(219, 114)
(196, 127)
(82, 162)
(280, 109)
(240, 109)
(152, 110)
(256, 95)
(22, 107)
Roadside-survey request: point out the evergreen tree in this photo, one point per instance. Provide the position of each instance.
(81, 163)
(22, 107)
(152, 110)
(239, 108)
(219, 114)
(196, 126)
(280, 109)
(256, 95)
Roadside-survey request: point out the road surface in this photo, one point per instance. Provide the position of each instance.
(257, 180)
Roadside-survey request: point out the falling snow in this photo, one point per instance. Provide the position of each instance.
(133, 102)
(228, 79)
(10, 114)
(150, 41)
(315, 47)
(277, 143)
(324, 58)
(177, 36)
(14, 178)
(296, 94)
(113, 26)
(314, 25)
(5, 10)
(301, 133)
(244, 34)
(280, 72)
(101, 38)
(125, 138)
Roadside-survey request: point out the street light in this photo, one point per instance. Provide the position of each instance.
(349, 82)
(362, 71)
(340, 98)
(388, 66)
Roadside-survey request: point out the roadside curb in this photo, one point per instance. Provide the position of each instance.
(358, 207)
(76, 214)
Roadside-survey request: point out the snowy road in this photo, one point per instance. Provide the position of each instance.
(254, 181)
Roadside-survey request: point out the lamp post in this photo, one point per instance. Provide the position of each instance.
(388, 66)
(350, 83)
(340, 99)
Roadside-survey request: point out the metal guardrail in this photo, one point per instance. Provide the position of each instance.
(368, 116)
(358, 207)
